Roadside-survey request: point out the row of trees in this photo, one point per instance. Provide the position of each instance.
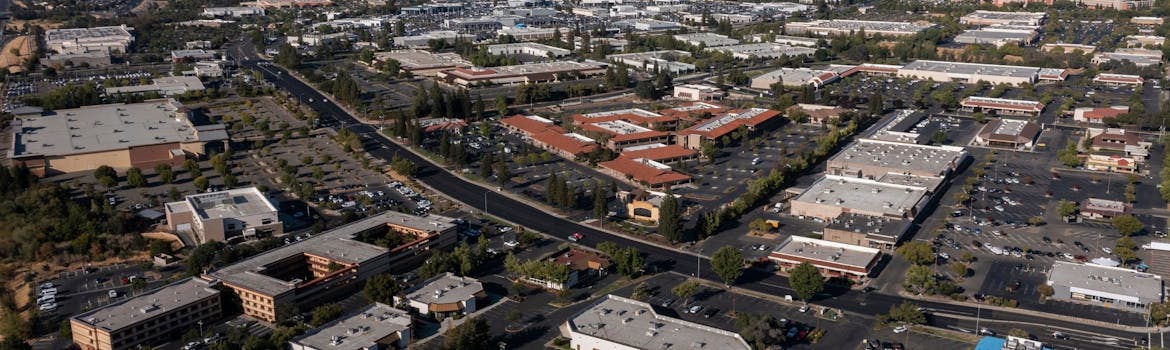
(544, 270)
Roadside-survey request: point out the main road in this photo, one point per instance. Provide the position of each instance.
(755, 280)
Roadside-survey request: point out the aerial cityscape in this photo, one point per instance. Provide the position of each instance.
(584, 174)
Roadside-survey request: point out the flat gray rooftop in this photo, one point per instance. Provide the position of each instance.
(231, 203)
(337, 244)
(1013, 16)
(111, 32)
(827, 251)
(418, 59)
(869, 26)
(445, 289)
(150, 304)
(1146, 287)
(972, 68)
(980, 36)
(635, 324)
(358, 330)
(922, 158)
(863, 195)
(103, 128)
(881, 228)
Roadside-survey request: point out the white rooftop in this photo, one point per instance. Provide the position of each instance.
(923, 158)
(827, 251)
(621, 127)
(1126, 284)
(359, 330)
(233, 203)
(863, 195)
(445, 289)
(972, 68)
(728, 118)
(103, 128)
(131, 310)
(634, 324)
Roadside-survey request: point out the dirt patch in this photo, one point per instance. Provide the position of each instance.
(16, 52)
(176, 243)
(18, 24)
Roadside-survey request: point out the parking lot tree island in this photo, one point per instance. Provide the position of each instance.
(806, 280)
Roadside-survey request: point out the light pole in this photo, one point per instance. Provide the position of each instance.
(200, 329)
(485, 212)
(699, 263)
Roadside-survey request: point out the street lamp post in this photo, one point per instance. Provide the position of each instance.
(699, 263)
(200, 329)
(485, 212)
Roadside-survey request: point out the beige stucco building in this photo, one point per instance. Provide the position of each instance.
(220, 216)
(157, 316)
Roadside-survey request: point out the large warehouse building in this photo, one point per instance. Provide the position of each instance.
(844, 26)
(118, 135)
(941, 71)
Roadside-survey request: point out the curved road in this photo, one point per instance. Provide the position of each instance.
(943, 314)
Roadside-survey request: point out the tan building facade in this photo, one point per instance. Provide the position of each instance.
(158, 316)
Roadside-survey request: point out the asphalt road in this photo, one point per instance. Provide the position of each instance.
(661, 258)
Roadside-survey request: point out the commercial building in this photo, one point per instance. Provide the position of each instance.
(844, 26)
(1002, 106)
(422, 41)
(655, 60)
(164, 86)
(867, 231)
(237, 12)
(1000, 35)
(795, 77)
(157, 316)
(832, 259)
(321, 39)
(905, 126)
(191, 55)
(694, 111)
(620, 134)
(641, 205)
(531, 49)
(1098, 115)
(644, 172)
(121, 136)
(422, 63)
(832, 195)
(636, 116)
(1147, 21)
(1116, 4)
(764, 50)
(548, 136)
(1118, 79)
(1144, 40)
(816, 114)
(533, 73)
(528, 33)
(1000, 3)
(941, 71)
(986, 18)
(662, 153)
(705, 39)
(433, 8)
(752, 119)
(788, 40)
(111, 40)
(444, 295)
(697, 92)
(872, 159)
(287, 3)
(1104, 209)
(224, 215)
(331, 263)
(1009, 134)
(617, 323)
(1139, 57)
(648, 25)
(582, 264)
(1113, 287)
(375, 327)
(1118, 141)
(1069, 48)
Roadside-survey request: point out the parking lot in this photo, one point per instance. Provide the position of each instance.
(92, 287)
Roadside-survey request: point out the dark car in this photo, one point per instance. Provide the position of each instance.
(1047, 240)
(710, 312)
(1078, 244)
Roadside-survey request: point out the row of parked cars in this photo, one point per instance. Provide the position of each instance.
(48, 297)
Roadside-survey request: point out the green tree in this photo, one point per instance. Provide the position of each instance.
(382, 288)
(685, 290)
(502, 105)
(920, 279)
(1069, 155)
(916, 252)
(135, 178)
(907, 312)
(760, 330)
(939, 137)
(288, 56)
(201, 183)
(325, 313)
(958, 268)
(166, 175)
(1066, 207)
(475, 334)
(728, 264)
(670, 218)
(1127, 224)
(107, 176)
(806, 280)
(600, 199)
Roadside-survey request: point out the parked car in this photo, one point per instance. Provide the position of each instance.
(900, 329)
(46, 307)
(666, 303)
(511, 244)
(113, 293)
(694, 309)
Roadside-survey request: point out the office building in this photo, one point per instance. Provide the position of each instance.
(867, 231)
(375, 327)
(332, 263)
(1116, 4)
(1001, 106)
(1146, 21)
(872, 159)
(1069, 48)
(969, 72)
(1098, 115)
(705, 39)
(714, 129)
(119, 135)
(763, 50)
(1009, 134)
(662, 153)
(905, 126)
(1139, 57)
(533, 73)
(655, 60)
(154, 317)
(644, 172)
(531, 49)
(616, 323)
(420, 62)
(795, 77)
(236, 12)
(1144, 40)
(620, 134)
(1112, 287)
(1118, 79)
(698, 92)
(110, 40)
(164, 86)
(178, 56)
(548, 136)
(433, 8)
(528, 33)
(832, 259)
(224, 215)
(287, 3)
(635, 116)
(641, 205)
(986, 18)
(647, 25)
(422, 41)
(444, 295)
(1000, 35)
(844, 27)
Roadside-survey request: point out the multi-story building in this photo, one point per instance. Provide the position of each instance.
(422, 63)
(763, 50)
(1113, 287)
(533, 73)
(224, 215)
(237, 11)
(157, 316)
(867, 231)
(1119, 79)
(697, 92)
(713, 130)
(548, 136)
(375, 327)
(444, 295)
(165, 86)
(422, 41)
(1116, 4)
(119, 135)
(845, 26)
(616, 323)
(528, 33)
(832, 259)
(969, 72)
(111, 40)
(331, 263)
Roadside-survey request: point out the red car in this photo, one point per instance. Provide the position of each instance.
(576, 236)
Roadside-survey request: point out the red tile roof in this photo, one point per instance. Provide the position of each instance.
(565, 143)
(728, 127)
(581, 260)
(530, 126)
(1011, 105)
(645, 173)
(660, 153)
(1105, 112)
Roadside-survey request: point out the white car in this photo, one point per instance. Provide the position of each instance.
(48, 307)
(511, 244)
(113, 293)
(1107, 250)
(900, 329)
(49, 291)
(47, 285)
(803, 308)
